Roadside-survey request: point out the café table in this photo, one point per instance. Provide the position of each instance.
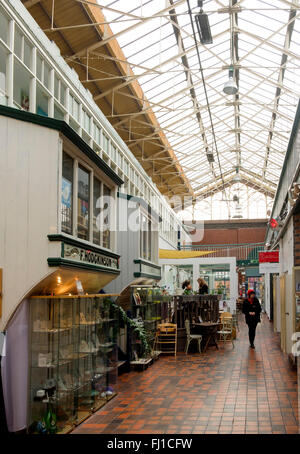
(209, 333)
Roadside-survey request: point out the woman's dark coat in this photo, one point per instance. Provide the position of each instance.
(254, 307)
(203, 290)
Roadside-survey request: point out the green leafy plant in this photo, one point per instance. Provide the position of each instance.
(135, 328)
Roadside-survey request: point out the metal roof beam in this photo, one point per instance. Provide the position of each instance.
(288, 38)
(112, 37)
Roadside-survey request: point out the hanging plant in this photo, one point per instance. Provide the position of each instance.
(135, 328)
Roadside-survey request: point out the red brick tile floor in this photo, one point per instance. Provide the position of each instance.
(225, 391)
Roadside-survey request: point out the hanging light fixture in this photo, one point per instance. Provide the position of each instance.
(203, 26)
(210, 156)
(230, 87)
(237, 177)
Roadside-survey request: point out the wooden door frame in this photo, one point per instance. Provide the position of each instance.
(274, 278)
(282, 312)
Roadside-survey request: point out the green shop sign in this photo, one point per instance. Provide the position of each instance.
(243, 263)
(77, 254)
(80, 254)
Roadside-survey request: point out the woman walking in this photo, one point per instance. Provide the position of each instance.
(252, 310)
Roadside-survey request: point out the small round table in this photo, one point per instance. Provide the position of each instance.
(209, 333)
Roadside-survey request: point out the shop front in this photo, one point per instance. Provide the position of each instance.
(58, 251)
(219, 274)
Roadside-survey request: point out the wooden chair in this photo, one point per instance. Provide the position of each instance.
(226, 333)
(190, 337)
(225, 315)
(166, 335)
(235, 320)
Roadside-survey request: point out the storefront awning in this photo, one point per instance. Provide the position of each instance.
(173, 254)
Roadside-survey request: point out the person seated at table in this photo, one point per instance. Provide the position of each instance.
(186, 286)
(203, 287)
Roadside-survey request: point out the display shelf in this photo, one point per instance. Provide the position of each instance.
(149, 306)
(82, 416)
(51, 331)
(111, 397)
(65, 430)
(74, 357)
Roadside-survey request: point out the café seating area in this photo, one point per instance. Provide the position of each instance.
(198, 324)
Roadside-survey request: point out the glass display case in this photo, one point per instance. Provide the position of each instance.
(73, 360)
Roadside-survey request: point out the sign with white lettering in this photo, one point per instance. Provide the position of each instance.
(268, 268)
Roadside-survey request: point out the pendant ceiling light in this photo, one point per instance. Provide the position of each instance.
(230, 87)
(237, 177)
(203, 26)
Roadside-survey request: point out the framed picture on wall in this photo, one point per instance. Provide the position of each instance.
(137, 299)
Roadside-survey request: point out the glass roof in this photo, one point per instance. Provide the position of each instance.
(249, 131)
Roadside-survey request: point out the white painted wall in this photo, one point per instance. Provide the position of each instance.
(164, 244)
(29, 166)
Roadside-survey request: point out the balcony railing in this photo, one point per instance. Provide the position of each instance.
(247, 253)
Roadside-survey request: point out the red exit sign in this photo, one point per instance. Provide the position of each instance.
(269, 257)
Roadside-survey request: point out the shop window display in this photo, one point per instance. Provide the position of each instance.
(96, 211)
(83, 203)
(67, 194)
(73, 369)
(106, 214)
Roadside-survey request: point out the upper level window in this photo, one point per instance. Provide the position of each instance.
(67, 194)
(3, 77)
(22, 80)
(92, 210)
(97, 212)
(105, 144)
(86, 122)
(113, 153)
(59, 90)
(97, 134)
(4, 23)
(42, 101)
(146, 237)
(106, 216)
(83, 205)
(74, 108)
